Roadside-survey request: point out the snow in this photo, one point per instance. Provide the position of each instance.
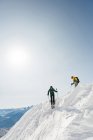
(72, 119)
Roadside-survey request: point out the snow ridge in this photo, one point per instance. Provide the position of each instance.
(72, 119)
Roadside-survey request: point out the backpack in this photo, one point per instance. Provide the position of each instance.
(77, 79)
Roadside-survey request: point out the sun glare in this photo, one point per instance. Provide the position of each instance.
(17, 57)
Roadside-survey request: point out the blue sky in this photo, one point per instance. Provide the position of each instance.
(43, 43)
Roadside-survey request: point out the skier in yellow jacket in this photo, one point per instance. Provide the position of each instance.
(75, 80)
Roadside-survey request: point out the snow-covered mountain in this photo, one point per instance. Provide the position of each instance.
(72, 119)
(8, 117)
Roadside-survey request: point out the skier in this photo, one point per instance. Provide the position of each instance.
(75, 80)
(52, 95)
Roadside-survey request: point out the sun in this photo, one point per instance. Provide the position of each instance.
(17, 57)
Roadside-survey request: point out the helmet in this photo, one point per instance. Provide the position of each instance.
(72, 77)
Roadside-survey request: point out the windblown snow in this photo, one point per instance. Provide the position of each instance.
(71, 119)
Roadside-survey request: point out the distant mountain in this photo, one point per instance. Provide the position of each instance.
(8, 117)
(3, 132)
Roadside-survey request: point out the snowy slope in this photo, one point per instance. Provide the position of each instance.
(72, 119)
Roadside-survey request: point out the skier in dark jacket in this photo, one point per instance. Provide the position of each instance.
(52, 95)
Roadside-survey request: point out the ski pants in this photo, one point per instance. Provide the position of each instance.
(76, 83)
(52, 96)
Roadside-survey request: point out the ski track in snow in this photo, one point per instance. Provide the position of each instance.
(71, 119)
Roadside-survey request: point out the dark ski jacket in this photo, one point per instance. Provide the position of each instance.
(51, 91)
